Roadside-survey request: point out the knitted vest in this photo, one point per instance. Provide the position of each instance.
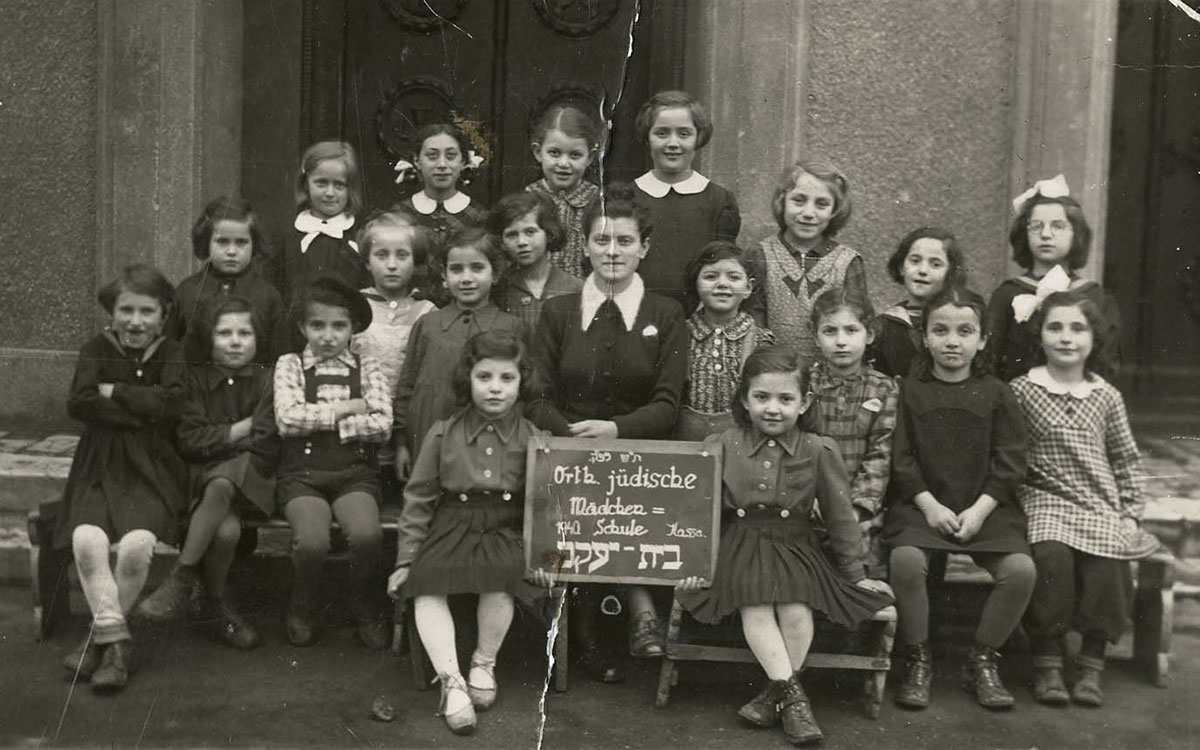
(788, 312)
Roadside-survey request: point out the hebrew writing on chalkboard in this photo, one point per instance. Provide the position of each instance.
(624, 510)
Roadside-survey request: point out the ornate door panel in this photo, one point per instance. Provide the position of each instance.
(377, 70)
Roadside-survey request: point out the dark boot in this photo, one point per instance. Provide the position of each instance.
(84, 659)
(1087, 690)
(799, 726)
(171, 598)
(113, 673)
(1048, 685)
(645, 640)
(918, 674)
(232, 629)
(981, 675)
(301, 617)
(373, 626)
(763, 709)
(594, 655)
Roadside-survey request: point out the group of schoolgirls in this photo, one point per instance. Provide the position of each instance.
(425, 340)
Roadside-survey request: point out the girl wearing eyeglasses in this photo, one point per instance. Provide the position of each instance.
(1049, 231)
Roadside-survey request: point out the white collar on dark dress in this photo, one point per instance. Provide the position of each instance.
(627, 301)
(656, 188)
(453, 205)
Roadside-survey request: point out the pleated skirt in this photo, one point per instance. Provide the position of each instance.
(474, 546)
(768, 559)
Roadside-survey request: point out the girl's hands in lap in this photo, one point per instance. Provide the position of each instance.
(876, 585)
(594, 428)
(942, 519)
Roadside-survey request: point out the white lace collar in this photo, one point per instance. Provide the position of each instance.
(1081, 390)
(627, 301)
(656, 188)
(454, 204)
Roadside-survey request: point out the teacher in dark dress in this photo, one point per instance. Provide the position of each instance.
(612, 361)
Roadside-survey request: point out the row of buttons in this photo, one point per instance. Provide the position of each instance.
(506, 496)
(783, 512)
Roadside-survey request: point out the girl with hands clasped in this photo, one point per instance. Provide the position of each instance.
(460, 530)
(771, 568)
(958, 456)
(1082, 496)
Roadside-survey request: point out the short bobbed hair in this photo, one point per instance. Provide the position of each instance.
(830, 176)
(1081, 237)
(957, 296)
(493, 344)
(516, 206)
(225, 208)
(616, 202)
(839, 298)
(955, 269)
(715, 252)
(206, 325)
(138, 278)
(1099, 358)
(324, 151)
(769, 359)
(672, 100)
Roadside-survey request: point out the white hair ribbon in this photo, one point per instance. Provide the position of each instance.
(1023, 305)
(1055, 187)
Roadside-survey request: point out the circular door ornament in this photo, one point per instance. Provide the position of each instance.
(413, 104)
(424, 15)
(576, 18)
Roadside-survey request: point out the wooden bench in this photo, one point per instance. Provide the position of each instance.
(1152, 609)
(51, 572)
(51, 582)
(695, 643)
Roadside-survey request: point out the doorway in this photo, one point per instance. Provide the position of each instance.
(1152, 258)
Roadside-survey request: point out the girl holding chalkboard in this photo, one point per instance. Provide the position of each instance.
(771, 568)
(613, 359)
(460, 530)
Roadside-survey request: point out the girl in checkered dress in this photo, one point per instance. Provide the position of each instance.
(855, 405)
(1081, 496)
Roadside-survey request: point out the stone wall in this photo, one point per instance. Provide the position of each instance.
(48, 225)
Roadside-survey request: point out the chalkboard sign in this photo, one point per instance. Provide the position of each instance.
(623, 511)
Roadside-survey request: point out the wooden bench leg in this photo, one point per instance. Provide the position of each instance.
(562, 638)
(875, 685)
(668, 673)
(48, 575)
(1153, 617)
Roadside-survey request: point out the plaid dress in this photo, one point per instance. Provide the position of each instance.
(859, 413)
(1083, 478)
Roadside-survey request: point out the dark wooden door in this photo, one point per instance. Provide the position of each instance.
(376, 70)
(1152, 258)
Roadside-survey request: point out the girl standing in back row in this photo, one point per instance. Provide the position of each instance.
(688, 210)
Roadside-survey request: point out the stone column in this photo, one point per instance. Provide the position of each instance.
(748, 62)
(169, 126)
(1063, 89)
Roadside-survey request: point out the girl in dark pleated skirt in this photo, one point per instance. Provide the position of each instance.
(771, 568)
(461, 527)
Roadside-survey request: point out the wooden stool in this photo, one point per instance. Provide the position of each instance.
(550, 612)
(1153, 616)
(879, 634)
